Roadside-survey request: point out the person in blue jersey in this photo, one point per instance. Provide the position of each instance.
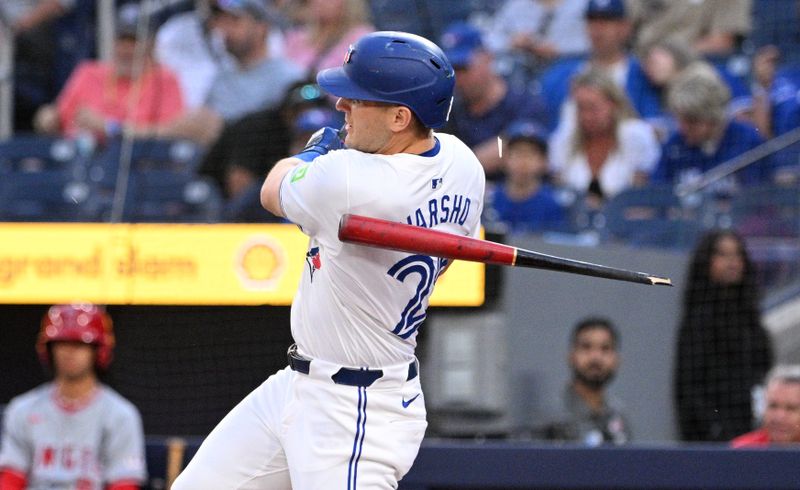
(706, 135)
(524, 201)
(485, 102)
(609, 34)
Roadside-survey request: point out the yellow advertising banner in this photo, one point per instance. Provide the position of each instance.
(174, 264)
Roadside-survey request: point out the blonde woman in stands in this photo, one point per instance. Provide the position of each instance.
(605, 148)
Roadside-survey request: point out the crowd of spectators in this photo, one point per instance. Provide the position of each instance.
(629, 93)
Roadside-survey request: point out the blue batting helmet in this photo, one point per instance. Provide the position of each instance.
(399, 68)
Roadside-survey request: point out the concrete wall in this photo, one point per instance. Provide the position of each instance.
(539, 309)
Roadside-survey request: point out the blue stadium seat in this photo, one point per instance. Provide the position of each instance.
(41, 196)
(441, 13)
(399, 15)
(40, 180)
(649, 217)
(775, 22)
(29, 152)
(161, 183)
(769, 211)
(170, 197)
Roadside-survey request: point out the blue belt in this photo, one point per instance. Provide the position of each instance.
(345, 376)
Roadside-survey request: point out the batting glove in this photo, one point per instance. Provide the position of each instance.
(320, 143)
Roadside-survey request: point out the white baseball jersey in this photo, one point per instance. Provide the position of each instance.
(75, 448)
(357, 312)
(361, 306)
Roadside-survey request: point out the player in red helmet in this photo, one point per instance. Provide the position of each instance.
(73, 432)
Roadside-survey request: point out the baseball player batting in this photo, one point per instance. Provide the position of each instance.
(74, 432)
(348, 411)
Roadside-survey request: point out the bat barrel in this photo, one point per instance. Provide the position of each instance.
(396, 236)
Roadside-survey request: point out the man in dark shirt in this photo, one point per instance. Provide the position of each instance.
(485, 102)
(590, 415)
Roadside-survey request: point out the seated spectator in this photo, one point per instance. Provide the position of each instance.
(609, 32)
(256, 81)
(73, 432)
(662, 62)
(781, 420)
(127, 93)
(308, 122)
(713, 28)
(706, 135)
(484, 102)
(295, 12)
(186, 44)
(331, 26)
(541, 30)
(776, 107)
(50, 38)
(524, 202)
(247, 149)
(607, 149)
(191, 47)
(590, 414)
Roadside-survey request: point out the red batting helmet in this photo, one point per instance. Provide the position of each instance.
(84, 323)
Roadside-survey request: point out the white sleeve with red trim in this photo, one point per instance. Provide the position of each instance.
(16, 448)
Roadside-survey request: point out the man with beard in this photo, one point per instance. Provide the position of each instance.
(590, 415)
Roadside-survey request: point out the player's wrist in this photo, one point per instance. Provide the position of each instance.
(308, 155)
(323, 141)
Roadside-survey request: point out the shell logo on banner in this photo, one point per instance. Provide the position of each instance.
(260, 263)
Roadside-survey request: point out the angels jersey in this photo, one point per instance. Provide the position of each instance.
(75, 448)
(362, 306)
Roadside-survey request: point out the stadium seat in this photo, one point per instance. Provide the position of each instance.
(399, 15)
(40, 180)
(161, 183)
(775, 22)
(767, 211)
(649, 217)
(41, 196)
(166, 196)
(33, 153)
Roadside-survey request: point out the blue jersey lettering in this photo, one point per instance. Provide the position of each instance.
(445, 209)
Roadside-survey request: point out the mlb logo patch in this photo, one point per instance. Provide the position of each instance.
(436, 183)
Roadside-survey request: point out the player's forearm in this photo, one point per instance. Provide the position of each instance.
(271, 190)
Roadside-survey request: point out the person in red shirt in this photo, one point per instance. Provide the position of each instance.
(131, 93)
(781, 425)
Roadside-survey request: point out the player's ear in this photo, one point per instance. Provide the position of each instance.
(402, 118)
